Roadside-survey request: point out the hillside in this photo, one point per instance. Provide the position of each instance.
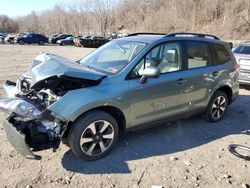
(225, 18)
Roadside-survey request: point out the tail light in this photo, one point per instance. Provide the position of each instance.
(237, 67)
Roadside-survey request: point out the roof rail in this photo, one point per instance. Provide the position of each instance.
(193, 34)
(145, 33)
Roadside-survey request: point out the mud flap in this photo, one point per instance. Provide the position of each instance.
(17, 140)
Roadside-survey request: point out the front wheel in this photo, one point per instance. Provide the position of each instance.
(93, 135)
(21, 42)
(217, 107)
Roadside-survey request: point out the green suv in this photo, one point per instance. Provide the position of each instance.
(125, 84)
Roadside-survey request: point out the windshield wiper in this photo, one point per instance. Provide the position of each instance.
(88, 66)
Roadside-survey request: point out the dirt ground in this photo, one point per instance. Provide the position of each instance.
(188, 153)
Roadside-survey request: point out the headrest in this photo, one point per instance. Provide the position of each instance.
(172, 55)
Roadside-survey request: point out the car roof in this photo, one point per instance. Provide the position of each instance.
(153, 38)
(142, 38)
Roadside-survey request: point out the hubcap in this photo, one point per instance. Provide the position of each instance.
(218, 107)
(97, 138)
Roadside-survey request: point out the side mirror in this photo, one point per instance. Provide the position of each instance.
(150, 72)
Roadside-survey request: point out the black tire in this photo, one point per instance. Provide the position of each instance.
(233, 149)
(216, 105)
(41, 43)
(21, 42)
(82, 129)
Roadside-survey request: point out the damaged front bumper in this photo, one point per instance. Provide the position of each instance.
(18, 140)
(29, 129)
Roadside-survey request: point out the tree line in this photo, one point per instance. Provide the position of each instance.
(225, 18)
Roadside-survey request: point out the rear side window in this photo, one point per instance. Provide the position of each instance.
(221, 55)
(198, 54)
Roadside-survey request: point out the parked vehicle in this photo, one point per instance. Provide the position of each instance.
(32, 38)
(2, 36)
(67, 41)
(10, 38)
(125, 84)
(242, 55)
(93, 41)
(77, 40)
(2, 39)
(51, 37)
(54, 39)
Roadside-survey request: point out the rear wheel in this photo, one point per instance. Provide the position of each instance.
(217, 107)
(93, 135)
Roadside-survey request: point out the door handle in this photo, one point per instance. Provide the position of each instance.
(180, 81)
(215, 73)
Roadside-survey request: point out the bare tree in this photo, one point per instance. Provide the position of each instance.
(220, 17)
(7, 24)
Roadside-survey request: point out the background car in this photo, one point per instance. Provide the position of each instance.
(2, 36)
(10, 38)
(242, 55)
(55, 38)
(93, 41)
(77, 40)
(67, 41)
(32, 38)
(1, 39)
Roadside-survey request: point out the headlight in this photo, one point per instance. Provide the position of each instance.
(20, 107)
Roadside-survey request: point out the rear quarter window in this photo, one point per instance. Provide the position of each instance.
(221, 55)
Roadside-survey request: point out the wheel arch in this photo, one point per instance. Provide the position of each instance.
(113, 111)
(228, 91)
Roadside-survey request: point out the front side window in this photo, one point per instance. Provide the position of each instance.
(113, 57)
(165, 56)
(198, 54)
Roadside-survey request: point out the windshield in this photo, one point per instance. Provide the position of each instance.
(113, 56)
(242, 50)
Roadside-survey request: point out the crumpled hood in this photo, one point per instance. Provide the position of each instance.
(47, 65)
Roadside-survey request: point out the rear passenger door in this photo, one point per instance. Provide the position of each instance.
(201, 74)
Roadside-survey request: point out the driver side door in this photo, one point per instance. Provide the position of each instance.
(161, 97)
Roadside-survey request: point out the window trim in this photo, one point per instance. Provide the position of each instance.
(182, 49)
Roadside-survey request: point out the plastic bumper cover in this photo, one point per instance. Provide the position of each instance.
(17, 140)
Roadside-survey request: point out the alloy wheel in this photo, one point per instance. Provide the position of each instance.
(218, 107)
(97, 138)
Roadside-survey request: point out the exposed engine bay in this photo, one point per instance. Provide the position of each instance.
(27, 100)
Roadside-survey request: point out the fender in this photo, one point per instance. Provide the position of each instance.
(79, 101)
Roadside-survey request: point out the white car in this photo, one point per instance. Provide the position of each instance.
(242, 56)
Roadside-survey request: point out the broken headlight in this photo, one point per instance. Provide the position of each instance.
(20, 107)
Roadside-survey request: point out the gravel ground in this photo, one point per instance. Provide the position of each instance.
(187, 153)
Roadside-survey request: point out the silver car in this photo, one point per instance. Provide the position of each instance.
(242, 55)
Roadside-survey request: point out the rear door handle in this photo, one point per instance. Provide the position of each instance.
(180, 81)
(215, 73)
